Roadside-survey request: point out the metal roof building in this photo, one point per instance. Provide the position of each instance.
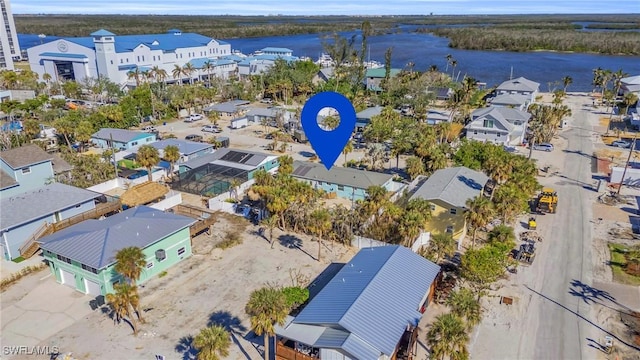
(367, 306)
(453, 186)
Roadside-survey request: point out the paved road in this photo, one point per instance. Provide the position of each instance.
(555, 325)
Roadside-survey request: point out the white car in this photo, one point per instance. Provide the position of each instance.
(211, 128)
(196, 117)
(149, 129)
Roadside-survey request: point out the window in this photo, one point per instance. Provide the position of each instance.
(138, 58)
(142, 57)
(65, 259)
(449, 229)
(150, 265)
(134, 143)
(475, 132)
(115, 283)
(453, 211)
(488, 123)
(26, 170)
(432, 207)
(181, 251)
(121, 61)
(340, 188)
(89, 269)
(111, 62)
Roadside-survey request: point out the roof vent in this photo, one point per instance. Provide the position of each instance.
(343, 280)
(137, 234)
(147, 226)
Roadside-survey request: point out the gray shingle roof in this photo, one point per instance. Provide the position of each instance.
(360, 179)
(479, 115)
(266, 112)
(6, 180)
(519, 84)
(60, 165)
(96, 242)
(373, 299)
(227, 107)
(512, 114)
(185, 147)
(510, 99)
(120, 135)
(24, 156)
(32, 205)
(453, 186)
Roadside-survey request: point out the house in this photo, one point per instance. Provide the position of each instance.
(17, 95)
(267, 115)
(448, 191)
(630, 84)
(229, 108)
(374, 77)
(324, 75)
(188, 149)
(114, 57)
(499, 125)
(516, 101)
(277, 51)
(213, 173)
(83, 255)
(441, 93)
(23, 169)
(347, 183)
(364, 117)
(437, 116)
(213, 67)
(260, 63)
(121, 139)
(520, 86)
(365, 311)
(26, 214)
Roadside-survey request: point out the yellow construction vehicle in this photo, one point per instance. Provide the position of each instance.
(547, 201)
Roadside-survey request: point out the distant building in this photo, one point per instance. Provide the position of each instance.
(83, 255)
(448, 191)
(9, 46)
(259, 64)
(121, 139)
(437, 116)
(520, 86)
(363, 118)
(374, 77)
(347, 183)
(116, 56)
(369, 310)
(516, 101)
(228, 108)
(630, 84)
(188, 149)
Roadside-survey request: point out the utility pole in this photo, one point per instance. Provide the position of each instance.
(113, 153)
(626, 166)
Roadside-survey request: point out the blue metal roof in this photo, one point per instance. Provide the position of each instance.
(165, 42)
(96, 242)
(373, 297)
(233, 57)
(30, 40)
(64, 55)
(102, 32)
(277, 50)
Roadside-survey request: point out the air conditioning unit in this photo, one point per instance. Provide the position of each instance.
(160, 255)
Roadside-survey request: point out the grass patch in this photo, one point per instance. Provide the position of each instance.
(13, 278)
(230, 240)
(618, 263)
(162, 274)
(18, 260)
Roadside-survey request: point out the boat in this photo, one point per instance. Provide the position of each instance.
(325, 60)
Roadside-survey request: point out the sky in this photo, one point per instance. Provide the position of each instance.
(324, 7)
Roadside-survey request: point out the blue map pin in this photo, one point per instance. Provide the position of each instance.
(328, 144)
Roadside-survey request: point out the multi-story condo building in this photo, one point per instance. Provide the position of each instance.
(9, 47)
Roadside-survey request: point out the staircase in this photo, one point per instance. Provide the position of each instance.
(31, 246)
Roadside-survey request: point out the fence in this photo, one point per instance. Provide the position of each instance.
(363, 242)
(171, 199)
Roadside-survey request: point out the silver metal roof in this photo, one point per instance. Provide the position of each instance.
(184, 146)
(355, 178)
(47, 200)
(372, 299)
(120, 135)
(510, 99)
(96, 242)
(453, 186)
(480, 115)
(519, 84)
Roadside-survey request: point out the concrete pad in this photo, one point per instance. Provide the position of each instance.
(625, 295)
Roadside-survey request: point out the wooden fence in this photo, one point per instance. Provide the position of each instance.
(287, 353)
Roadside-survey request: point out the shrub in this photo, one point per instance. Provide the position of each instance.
(162, 274)
(231, 239)
(13, 278)
(295, 295)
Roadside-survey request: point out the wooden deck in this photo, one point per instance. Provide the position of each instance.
(287, 353)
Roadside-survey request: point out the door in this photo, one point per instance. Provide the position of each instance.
(92, 287)
(67, 278)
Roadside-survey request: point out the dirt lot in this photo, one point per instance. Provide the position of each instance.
(212, 286)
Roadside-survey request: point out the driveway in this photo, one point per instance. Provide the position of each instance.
(36, 308)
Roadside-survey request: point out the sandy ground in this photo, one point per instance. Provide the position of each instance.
(504, 322)
(212, 286)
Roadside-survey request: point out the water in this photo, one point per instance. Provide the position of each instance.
(491, 67)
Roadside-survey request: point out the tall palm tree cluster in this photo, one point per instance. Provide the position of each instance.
(546, 119)
(286, 81)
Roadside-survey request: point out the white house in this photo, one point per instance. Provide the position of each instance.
(499, 125)
(115, 56)
(520, 86)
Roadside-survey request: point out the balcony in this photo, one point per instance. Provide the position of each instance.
(285, 351)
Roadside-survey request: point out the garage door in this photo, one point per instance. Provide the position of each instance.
(67, 278)
(93, 288)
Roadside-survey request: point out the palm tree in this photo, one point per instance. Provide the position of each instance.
(346, 150)
(320, 225)
(454, 63)
(628, 100)
(449, 57)
(566, 81)
(479, 213)
(148, 157)
(171, 154)
(271, 222)
(234, 184)
(135, 74)
(188, 70)
(212, 343)
(130, 262)
(442, 244)
(208, 68)
(177, 73)
(266, 307)
(121, 302)
(464, 304)
(448, 337)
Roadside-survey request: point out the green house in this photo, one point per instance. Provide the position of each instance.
(83, 256)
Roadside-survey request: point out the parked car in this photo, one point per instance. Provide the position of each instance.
(196, 117)
(211, 128)
(149, 129)
(543, 147)
(193, 137)
(266, 101)
(621, 144)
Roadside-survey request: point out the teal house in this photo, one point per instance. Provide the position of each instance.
(347, 183)
(121, 139)
(83, 256)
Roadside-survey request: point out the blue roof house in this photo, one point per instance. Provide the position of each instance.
(83, 256)
(121, 139)
(365, 310)
(188, 149)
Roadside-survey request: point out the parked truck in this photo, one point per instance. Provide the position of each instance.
(299, 136)
(547, 201)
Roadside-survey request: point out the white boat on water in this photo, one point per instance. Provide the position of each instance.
(372, 64)
(325, 60)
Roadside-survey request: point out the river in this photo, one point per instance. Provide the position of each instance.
(491, 67)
